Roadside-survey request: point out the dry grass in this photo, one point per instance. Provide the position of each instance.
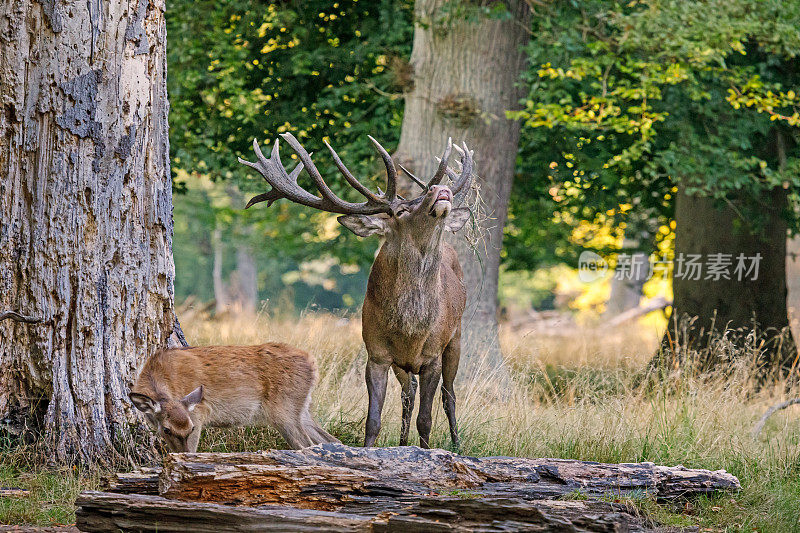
(573, 396)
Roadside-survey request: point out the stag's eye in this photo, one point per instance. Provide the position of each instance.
(167, 432)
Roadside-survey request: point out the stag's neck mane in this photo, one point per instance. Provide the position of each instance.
(409, 283)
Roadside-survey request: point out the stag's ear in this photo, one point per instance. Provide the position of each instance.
(193, 398)
(457, 218)
(364, 225)
(144, 403)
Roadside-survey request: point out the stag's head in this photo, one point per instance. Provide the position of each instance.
(421, 220)
(170, 417)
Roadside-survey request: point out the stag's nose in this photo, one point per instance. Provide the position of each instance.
(441, 192)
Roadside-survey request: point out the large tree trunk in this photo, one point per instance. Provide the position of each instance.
(465, 74)
(85, 215)
(705, 307)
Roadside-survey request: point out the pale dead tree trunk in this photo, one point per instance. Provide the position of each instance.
(239, 293)
(245, 279)
(220, 290)
(793, 284)
(465, 74)
(627, 287)
(85, 215)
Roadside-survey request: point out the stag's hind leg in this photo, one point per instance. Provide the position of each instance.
(408, 382)
(450, 360)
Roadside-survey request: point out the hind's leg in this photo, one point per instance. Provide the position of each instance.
(409, 384)
(292, 430)
(194, 438)
(315, 431)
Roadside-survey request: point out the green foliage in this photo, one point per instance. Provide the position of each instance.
(240, 71)
(629, 100)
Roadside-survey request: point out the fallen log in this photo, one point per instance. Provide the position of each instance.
(141, 481)
(105, 511)
(335, 477)
(102, 512)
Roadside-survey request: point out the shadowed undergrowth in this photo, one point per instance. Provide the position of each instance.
(578, 397)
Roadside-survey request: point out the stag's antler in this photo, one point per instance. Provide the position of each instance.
(461, 182)
(284, 184)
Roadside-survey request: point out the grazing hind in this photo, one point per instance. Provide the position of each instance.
(182, 390)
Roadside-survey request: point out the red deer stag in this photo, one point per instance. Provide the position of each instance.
(411, 319)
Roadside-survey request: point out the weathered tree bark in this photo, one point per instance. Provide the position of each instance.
(85, 215)
(336, 477)
(141, 481)
(465, 74)
(707, 306)
(101, 512)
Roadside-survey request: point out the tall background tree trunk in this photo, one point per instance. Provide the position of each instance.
(465, 72)
(85, 215)
(703, 229)
(793, 283)
(626, 291)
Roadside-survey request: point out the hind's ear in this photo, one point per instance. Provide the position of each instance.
(193, 398)
(144, 403)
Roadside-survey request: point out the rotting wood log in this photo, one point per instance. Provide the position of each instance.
(102, 512)
(141, 481)
(371, 480)
(105, 511)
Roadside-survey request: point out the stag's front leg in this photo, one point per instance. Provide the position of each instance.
(409, 384)
(377, 374)
(428, 381)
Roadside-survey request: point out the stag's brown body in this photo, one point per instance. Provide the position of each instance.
(184, 389)
(411, 321)
(410, 316)
(415, 294)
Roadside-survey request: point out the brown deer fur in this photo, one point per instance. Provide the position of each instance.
(415, 294)
(411, 319)
(181, 390)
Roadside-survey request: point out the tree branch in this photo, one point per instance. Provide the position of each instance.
(771, 411)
